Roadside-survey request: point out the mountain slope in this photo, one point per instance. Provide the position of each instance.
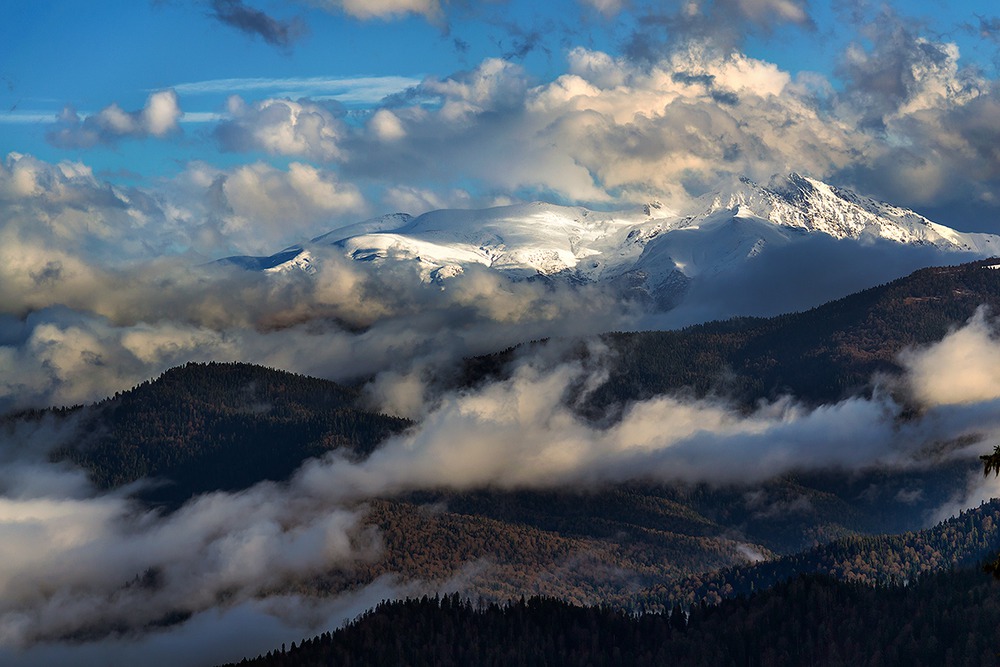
(962, 541)
(798, 202)
(946, 619)
(821, 355)
(207, 427)
(650, 249)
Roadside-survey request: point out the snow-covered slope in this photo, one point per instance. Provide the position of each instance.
(650, 248)
(522, 240)
(805, 203)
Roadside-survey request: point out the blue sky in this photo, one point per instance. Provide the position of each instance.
(852, 64)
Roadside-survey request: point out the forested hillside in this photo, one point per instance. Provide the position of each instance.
(962, 541)
(206, 427)
(650, 562)
(948, 618)
(821, 355)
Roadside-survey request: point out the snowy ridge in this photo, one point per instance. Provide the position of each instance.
(523, 240)
(649, 248)
(805, 203)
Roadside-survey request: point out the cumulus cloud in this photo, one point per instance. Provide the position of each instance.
(902, 120)
(111, 124)
(928, 118)
(257, 197)
(910, 125)
(258, 208)
(283, 127)
(903, 73)
(54, 214)
(255, 22)
(386, 125)
(608, 130)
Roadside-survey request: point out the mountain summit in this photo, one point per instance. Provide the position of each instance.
(799, 202)
(650, 248)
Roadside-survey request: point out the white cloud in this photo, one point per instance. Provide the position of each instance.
(51, 211)
(160, 114)
(158, 118)
(268, 204)
(271, 195)
(610, 130)
(382, 9)
(282, 127)
(963, 368)
(348, 90)
(386, 125)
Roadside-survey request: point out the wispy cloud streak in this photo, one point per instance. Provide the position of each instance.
(355, 90)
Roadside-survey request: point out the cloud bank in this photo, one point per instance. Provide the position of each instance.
(114, 572)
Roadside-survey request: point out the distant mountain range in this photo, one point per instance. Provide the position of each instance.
(650, 249)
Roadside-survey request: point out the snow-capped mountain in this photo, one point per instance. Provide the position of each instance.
(650, 248)
(805, 203)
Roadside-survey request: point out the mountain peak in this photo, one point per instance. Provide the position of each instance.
(652, 245)
(798, 201)
(794, 187)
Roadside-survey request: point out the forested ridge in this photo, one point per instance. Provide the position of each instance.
(961, 541)
(498, 560)
(221, 426)
(821, 355)
(944, 619)
(643, 568)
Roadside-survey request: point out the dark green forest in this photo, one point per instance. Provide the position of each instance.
(944, 619)
(221, 426)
